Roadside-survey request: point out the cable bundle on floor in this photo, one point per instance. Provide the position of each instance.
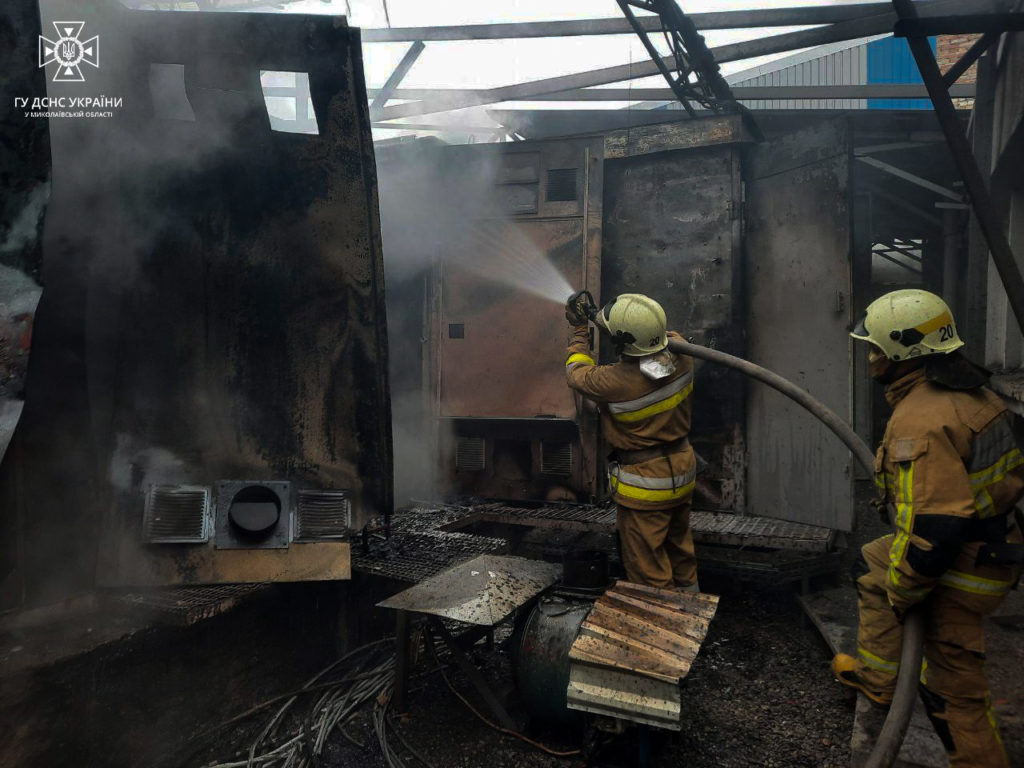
(290, 739)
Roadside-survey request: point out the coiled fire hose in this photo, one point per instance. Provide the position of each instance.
(895, 728)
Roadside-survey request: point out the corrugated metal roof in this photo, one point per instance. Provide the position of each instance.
(890, 61)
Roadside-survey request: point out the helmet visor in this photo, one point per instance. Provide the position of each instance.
(859, 330)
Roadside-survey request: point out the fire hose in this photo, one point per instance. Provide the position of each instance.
(895, 728)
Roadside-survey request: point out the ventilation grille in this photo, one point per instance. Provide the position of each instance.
(469, 454)
(177, 514)
(322, 515)
(556, 459)
(562, 185)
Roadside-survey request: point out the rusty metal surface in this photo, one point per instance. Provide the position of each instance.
(186, 605)
(505, 332)
(800, 240)
(634, 648)
(215, 296)
(320, 561)
(483, 591)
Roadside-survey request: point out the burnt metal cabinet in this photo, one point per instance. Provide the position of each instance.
(208, 394)
(506, 423)
(798, 259)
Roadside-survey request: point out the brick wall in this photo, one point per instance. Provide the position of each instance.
(948, 50)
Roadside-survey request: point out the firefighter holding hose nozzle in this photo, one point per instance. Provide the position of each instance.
(644, 401)
(950, 465)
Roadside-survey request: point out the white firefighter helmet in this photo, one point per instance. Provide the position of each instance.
(636, 323)
(907, 324)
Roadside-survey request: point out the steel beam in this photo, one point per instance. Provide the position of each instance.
(746, 19)
(974, 182)
(744, 92)
(973, 53)
(396, 77)
(899, 173)
(806, 38)
(896, 261)
(903, 205)
(960, 24)
(903, 248)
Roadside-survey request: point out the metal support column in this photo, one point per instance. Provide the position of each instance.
(981, 202)
(399, 698)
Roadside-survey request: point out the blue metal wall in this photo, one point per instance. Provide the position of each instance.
(890, 61)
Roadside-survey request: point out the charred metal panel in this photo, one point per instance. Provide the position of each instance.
(672, 229)
(25, 180)
(498, 345)
(494, 320)
(215, 298)
(799, 239)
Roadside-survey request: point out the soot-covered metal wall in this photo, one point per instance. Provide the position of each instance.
(25, 181)
(214, 306)
(673, 230)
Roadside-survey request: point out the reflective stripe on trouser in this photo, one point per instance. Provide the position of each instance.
(952, 672)
(652, 489)
(662, 399)
(657, 546)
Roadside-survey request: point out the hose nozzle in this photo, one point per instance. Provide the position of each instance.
(580, 307)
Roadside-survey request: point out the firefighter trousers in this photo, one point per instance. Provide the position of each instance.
(953, 685)
(657, 546)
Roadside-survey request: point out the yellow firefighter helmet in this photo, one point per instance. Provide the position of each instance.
(907, 324)
(636, 323)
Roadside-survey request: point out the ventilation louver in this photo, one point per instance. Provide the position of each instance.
(177, 514)
(556, 459)
(322, 515)
(470, 454)
(561, 185)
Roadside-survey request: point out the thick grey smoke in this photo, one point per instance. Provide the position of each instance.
(24, 228)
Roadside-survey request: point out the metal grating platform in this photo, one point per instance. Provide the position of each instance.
(708, 527)
(743, 530)
(413, 556)
(186, 605)
(431, 538)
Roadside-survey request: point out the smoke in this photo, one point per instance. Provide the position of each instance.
(450, 209)
(24, 228)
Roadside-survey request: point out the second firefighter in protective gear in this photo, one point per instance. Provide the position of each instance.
(644, 400)
(950, 467)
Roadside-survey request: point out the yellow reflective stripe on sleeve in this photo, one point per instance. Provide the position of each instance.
(976, 585)
(904, 521)
(985, 478)
(579, 357)
(660, 400)
(924, 672)
(651, 488)
(877, 662)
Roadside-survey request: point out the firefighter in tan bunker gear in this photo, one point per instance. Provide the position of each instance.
(950, 467)
(644, 401)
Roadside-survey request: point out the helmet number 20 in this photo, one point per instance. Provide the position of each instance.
(946, 332)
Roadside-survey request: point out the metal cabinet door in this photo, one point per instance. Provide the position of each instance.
(798, 249)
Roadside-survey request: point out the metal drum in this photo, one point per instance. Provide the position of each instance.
(542, 655)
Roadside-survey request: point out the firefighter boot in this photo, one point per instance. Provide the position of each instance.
(846, 670)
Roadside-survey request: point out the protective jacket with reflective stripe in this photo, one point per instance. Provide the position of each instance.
(637, 413)
(950, 465)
